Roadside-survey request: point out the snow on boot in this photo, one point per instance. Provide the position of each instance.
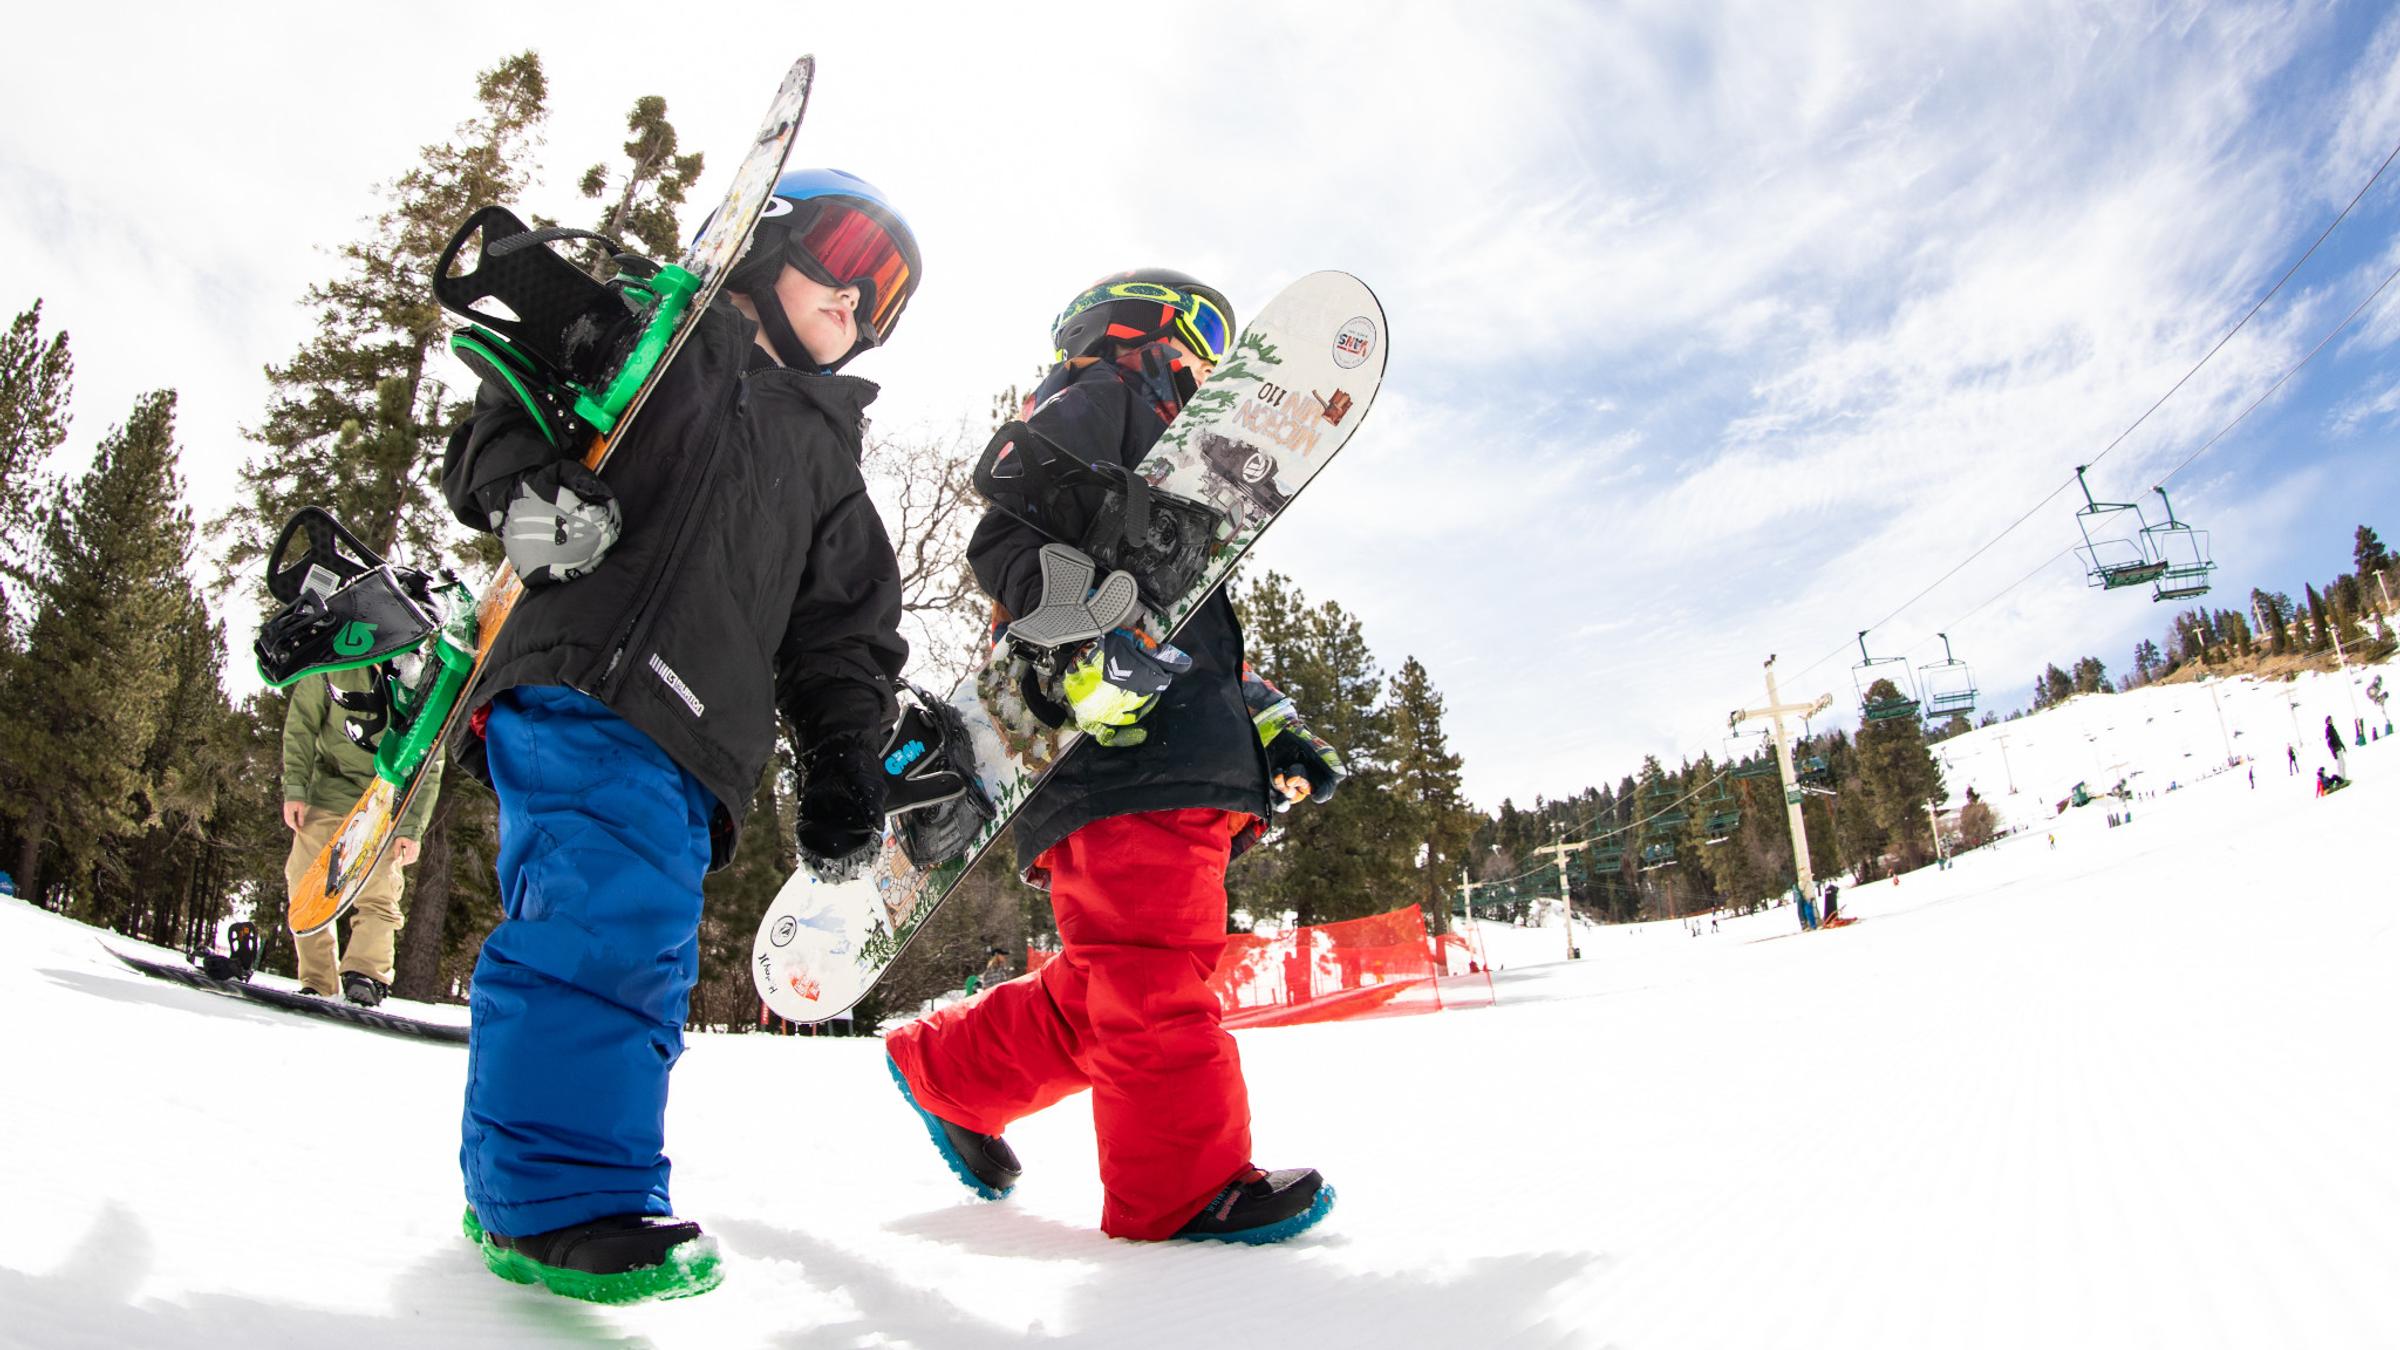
(984, 1162)
(624, 1258)
(364, 990)
(1259, 1207)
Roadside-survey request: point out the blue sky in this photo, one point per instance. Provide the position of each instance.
(1718, 329)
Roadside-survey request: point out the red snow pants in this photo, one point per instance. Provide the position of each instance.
(1124, 1009)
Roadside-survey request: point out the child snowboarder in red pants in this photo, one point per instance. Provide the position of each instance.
(1132, 836)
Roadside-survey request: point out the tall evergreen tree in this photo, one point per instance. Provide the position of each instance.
(1900, 775)
(80, 710)
(1425, 778)
(2367, 552)
(1353, 855)
(37, 379)
(359, 415)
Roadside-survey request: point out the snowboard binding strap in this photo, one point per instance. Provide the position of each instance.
(1163, 540)
(1071, 610)
(931, 785)
(1070, 613)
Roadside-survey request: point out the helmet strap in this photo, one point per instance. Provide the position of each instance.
(778, 329)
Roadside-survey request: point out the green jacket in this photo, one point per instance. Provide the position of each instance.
(322, 767)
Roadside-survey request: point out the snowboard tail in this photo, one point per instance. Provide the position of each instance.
(1286, 399)
(580, 369)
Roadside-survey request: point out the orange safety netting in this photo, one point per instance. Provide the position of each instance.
(1380, 965)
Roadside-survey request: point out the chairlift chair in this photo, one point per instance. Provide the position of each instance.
(1724, 814)
(2184, 552)
(1948, 684)
(1750, 755)
(1663, 816)
(1902, 703)
(2113, 562)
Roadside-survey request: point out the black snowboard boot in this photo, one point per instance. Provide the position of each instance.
(364, 990)
(1259, 1207)
(624, 1258)
(983, 1162)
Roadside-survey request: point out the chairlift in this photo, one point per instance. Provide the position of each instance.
(1902, 702)
(1662, 817)
(2113, 562)
(1607, 854)
(1724, 814)
(2184, 552)
(1948, 684)
(1750, 755)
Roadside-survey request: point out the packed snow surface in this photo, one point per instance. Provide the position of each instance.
(2134, 1089)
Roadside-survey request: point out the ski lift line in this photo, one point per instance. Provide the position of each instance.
(2335, 332)
(2355, 199)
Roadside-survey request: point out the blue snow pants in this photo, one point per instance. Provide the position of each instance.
(580, 993)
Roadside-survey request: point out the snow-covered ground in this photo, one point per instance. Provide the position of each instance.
(2134, 1090)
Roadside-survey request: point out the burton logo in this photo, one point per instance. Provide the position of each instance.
(356, 639)
(675, 682)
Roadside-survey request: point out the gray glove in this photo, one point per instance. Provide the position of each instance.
(558, 522)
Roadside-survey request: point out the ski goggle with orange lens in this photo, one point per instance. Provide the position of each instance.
(835, 244)
(1189, 316)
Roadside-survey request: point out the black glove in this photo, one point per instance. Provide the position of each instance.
(1300, 765)
(556, 522)
(841, 807)
(1297, 755)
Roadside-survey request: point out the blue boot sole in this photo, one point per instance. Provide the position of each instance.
(1273, 1232)
(933, 1128)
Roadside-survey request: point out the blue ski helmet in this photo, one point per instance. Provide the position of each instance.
(837, 229)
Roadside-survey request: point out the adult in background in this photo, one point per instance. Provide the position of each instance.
(331, 727)
(2341, 751)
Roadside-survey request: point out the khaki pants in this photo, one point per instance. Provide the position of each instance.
(374, 918)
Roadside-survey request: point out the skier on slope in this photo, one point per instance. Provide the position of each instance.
(725, 567)
(331, 726)
(1132, 837)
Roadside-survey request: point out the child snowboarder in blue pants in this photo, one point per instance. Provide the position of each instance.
(726, 568)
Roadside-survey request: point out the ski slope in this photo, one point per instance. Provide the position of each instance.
(2136, 1089)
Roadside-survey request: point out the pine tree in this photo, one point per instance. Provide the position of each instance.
(2320, 637)
(359, 415)
(1899, 776)
(2367, 552)
(36, 382)
(646, 210)
(1352, 856)
(1425, 777)
(80, 710)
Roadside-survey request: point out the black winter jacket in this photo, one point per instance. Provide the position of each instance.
(753, 574)
(1201, 750)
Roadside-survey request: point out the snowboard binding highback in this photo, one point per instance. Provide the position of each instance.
(239, 958)
(1162, 540)
(571, 350)
(344, 608)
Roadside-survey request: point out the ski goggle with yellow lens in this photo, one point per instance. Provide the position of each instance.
(1183, 314)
